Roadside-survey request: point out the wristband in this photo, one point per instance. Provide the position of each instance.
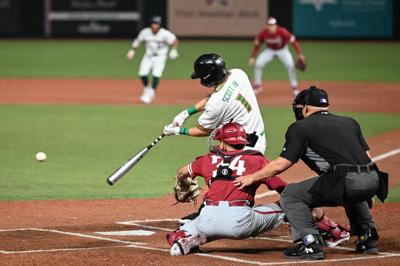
(184, 131)
(192, 110)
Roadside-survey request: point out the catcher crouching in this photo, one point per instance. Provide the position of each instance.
(227, 212)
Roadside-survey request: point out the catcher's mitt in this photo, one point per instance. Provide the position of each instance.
(301, 64)
(186, 190)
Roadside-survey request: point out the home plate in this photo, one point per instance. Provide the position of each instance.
(127, 233)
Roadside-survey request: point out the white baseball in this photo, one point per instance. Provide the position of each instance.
(41, 156)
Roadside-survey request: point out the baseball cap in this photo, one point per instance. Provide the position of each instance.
(156, 20)
(271, 21)
(313, 96)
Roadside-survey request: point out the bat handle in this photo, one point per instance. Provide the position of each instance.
(151, 145)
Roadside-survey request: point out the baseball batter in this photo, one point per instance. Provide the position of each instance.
(276, 38)
(157, 40)
(229, 212)
(232, 99)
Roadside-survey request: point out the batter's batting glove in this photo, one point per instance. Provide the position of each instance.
(171, 130)
(180, 118)
(173, 54)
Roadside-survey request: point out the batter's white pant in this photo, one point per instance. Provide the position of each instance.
(284, 56)
(156, 64)
(223, 221)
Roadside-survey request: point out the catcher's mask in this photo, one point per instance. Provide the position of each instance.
(312, 96)
(210, 69)
(231, 133)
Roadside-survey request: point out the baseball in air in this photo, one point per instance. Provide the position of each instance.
(41, 156)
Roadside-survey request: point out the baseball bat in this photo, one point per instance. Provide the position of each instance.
(120, 172)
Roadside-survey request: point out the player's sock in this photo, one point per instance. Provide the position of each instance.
(155, 82)
(145, 81)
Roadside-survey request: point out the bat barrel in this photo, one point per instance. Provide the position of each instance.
(120, 172)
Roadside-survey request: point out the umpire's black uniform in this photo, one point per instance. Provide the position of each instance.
(332, 146)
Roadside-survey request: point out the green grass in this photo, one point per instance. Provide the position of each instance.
(350, 61)
(394, 194)
(85, 144)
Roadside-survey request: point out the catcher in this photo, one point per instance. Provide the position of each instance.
(227, 211)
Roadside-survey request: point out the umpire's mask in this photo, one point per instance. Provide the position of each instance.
(298, 105)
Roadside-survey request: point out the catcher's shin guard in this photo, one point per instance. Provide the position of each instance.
(332, 233)
(175, 236)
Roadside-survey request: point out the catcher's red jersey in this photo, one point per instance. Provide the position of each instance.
(277, 40)
(207, 165)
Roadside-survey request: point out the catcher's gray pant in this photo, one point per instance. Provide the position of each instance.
(296, 201)
(234, 222)
(284, 56)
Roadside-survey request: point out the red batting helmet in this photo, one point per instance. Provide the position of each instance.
(232, 133)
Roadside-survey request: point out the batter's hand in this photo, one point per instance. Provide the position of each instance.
(171, 130)
(243, 181)
(173, 54)
(251, 61)
(180, 118)
(130, 54)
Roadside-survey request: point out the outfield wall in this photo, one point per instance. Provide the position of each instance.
(315, 19)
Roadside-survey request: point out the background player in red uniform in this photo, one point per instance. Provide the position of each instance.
(276, 39)
(229, 212)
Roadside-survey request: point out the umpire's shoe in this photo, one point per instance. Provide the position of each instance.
(309, 249)
(367, 242)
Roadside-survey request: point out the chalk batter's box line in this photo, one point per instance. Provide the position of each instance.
(279, 239)
(225, 258)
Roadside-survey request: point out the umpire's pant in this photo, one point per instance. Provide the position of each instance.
(296, 202)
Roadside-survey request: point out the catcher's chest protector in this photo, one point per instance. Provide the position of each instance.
(223, 171)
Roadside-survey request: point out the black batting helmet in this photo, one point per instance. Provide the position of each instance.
(210, 69)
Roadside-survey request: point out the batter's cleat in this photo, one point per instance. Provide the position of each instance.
(148, 95)
(309, 249)
(185, 245)
(257, 88)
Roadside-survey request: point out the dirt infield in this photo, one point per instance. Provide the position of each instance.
(69, 232)
(350, 96)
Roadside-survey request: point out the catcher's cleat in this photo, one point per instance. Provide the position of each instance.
(331, 241)
(185, 245)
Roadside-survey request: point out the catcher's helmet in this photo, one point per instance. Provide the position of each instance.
(210, 69)
(156, 20)
(232, 133)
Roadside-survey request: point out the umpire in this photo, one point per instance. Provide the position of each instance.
(334, 147)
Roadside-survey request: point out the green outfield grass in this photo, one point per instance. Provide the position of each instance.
(349, 61)
(85, 144)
